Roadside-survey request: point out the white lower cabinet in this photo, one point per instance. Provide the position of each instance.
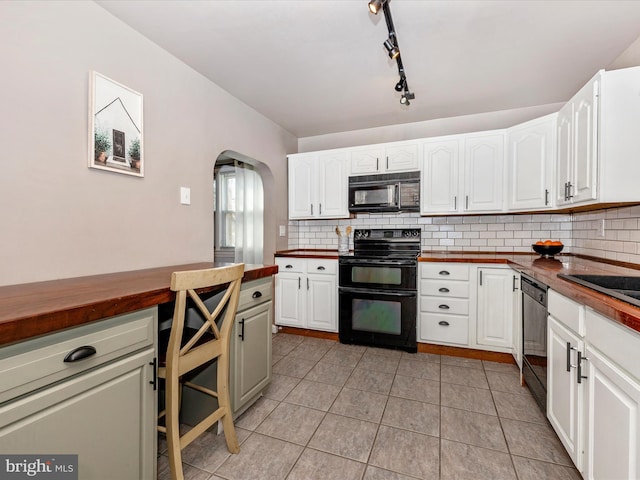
(593, 390)
(497, 292)
(106, 414)
(307, 293)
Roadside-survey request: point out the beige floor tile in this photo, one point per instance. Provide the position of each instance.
(378, 363)
(421, 357)
(518, 407)
(190, 473)
(472, 428)
(315, 465)
(419, 369)
(309, 351)
(467, 398)
(291, 423)
(280, 386)
(461, 362)
(412, 415)
(506, 382)
(406, 452)
(293, 367)
(375, 473)
(275, 359)
(529, 469)
(471, 377)
(313, 394)
(261, 457)
(345, 437)
(467, 462)
(256, 413)
(500, 367)
(344, 356)
(331, 373)
(418, 389)
(209, 450)
(370, 381)
(358, 404)
(385, 352)
(531, 440)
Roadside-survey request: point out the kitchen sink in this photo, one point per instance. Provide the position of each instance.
(625, 288)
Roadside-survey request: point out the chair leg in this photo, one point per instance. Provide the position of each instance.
(223, 402)
(173, 396)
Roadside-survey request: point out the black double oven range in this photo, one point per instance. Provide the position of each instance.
(378, 289)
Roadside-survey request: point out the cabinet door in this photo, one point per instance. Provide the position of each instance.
(564, 393)
(290, 299)
(531, 153)
(439, 181)
(106, 416)
(517, 319)
(612, 447)
(251, 354)
(332, 181)
(585, 134)
(367, 161)
(564, 153)
(302, 181)
(322, 311)
(495, 307)
(484, 175)
(401, 158)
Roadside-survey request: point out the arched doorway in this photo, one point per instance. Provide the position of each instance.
(238, 216)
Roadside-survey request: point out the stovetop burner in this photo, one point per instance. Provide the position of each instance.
(387, 243)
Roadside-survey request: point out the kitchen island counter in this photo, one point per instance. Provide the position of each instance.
(32, 309)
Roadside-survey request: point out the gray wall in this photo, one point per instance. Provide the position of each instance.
(60, 219)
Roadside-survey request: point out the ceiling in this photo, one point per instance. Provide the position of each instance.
(318, 66)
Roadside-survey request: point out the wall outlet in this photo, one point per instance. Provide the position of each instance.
(283, 230)
(600, 232)
(185, 195)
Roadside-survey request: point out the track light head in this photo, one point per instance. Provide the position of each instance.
(406, 96)
(392, 49)
(375, 6)
(401, 84)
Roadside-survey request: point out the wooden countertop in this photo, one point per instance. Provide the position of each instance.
(543, 270)
(33, 309)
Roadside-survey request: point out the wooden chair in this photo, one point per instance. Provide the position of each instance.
(187, 352)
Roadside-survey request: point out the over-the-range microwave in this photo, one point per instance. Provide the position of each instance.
(391, 192)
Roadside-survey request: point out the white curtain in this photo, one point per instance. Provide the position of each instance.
(249, 215)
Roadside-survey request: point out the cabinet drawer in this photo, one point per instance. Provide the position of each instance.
(444, 288)
(455, 306)
(290, 264)
(445, 271)
(35, 363)
(566, 311)
(254, 293)
(444, 328)
(322, 266)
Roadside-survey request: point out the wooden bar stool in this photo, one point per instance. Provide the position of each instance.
(188, 352)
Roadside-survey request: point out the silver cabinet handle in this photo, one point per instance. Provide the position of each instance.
(455, 202)
(320, 213)
(298, 283)
(307, 284)
(443, 290)
(387, 163)
(579, 370)
(466, 203)
(546, 196)
(569, 194)
(515, 283)
(480, 277)
(443, 323)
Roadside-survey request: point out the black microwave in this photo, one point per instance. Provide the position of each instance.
(391, 192)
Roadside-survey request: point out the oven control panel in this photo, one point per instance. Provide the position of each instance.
(379, 234)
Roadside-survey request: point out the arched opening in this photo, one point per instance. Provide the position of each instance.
(238, 216)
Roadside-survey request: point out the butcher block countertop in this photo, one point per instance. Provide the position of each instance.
(33, 309)
(544, 270)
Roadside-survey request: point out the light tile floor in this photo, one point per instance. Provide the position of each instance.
(349, 412)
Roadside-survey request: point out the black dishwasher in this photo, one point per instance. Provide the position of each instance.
(534, 338)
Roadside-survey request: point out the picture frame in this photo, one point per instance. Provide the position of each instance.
(115, 127)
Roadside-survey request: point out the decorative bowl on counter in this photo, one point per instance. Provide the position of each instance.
(547, 250)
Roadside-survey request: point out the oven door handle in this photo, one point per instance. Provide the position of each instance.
(369, 262)
(394, 293)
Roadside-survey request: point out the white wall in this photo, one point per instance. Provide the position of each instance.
(59, 218)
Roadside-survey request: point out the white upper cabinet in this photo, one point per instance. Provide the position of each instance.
(483, 172)
(385, 159)
(597, 138)
(439, 181)
(530, 164)
(318, 185)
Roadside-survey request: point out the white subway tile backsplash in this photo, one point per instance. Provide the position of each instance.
(502, 233)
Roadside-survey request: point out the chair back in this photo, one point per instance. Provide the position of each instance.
(212, 339)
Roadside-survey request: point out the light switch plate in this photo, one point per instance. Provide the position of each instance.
(185, 195)
(283, 230)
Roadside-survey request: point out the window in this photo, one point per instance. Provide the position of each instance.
(226, 183)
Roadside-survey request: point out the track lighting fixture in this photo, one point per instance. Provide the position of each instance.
(392, 50)
(375, 6)
(391, 45)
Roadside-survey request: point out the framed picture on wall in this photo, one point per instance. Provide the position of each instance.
(115, 127)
